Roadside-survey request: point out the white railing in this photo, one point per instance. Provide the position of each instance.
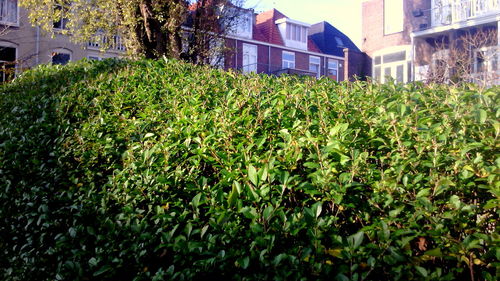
(446, 12)
(113, 43)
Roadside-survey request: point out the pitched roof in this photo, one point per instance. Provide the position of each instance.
(266, 26)
(311, 47)
(329, 39)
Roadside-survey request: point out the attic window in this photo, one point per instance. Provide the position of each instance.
(296, 32)
(339, 42)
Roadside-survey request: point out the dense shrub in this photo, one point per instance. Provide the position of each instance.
(163, 170)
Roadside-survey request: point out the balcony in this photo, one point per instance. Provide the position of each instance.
(447, 12)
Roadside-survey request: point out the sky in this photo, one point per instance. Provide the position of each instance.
(343, 14)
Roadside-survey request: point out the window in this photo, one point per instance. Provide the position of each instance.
(61, 57)
(296, 32)
(61, 12)
(8, 11)
(94, 58)
(486, 59)
(393, 16)
(333, 69)
(7, 63)
(392, 63)
(314, 65)
(339, 41)
(249, 58)
(288, 60)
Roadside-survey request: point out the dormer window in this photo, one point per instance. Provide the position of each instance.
(293, 32)
(296, 32)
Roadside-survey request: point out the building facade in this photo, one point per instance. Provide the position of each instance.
(23, 46)
(272, 43)
(267, 42)
(414, 40)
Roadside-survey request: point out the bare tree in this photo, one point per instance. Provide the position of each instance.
(209, 24)
(471, 57)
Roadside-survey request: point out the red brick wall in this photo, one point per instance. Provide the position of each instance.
(301, 61)
(356, 64)
(373, 24)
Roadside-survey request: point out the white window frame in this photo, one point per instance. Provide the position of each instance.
(393, 16)
(250, 67)
(10, 23)
(10, 45)
(336, 68)
(315, 61)
(392, 65)
(295, 32)
(287, 64)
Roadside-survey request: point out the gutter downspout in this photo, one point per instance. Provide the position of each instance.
(37, 48)
(413, 48)
(269, 60)
(236, 56)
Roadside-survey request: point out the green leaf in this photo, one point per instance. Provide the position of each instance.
(249, 212)
(102, 270)
(481, 116)
(252, 175)
(422, 271)
(355, 240)
(245, 262)
(424, 192)
(434, 253)
(196, 200)
(267, 212)
(455, 201)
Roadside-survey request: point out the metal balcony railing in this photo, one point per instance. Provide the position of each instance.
(445, 12)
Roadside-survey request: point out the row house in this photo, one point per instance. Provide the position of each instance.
(268, 42)
(23, 46)
(272, 43)
(415, 40)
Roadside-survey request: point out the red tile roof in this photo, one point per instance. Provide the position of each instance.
(265, 24)
(311, 47)
(266, 30)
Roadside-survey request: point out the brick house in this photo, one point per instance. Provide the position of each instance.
(407, 40)
(272, 43)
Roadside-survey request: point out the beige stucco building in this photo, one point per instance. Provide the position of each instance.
(24, 46)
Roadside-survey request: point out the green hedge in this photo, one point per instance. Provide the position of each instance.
(119, 170)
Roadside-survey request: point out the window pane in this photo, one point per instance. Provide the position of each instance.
(7, 54)
(332, 64)
(376, 73)
(314, 60)
(288, 31)
(8, 11)
(399, 73)
(60, 58)
(393, 16)
(387, 72)
(288, 56)
(377, 60)
(398, 56)
(304, 34)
